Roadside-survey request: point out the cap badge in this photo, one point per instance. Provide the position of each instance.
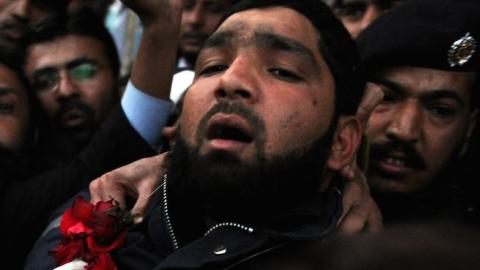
(462, 50)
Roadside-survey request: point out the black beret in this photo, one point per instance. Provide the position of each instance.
(438, 34)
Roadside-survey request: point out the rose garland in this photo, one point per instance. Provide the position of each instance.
(90, 232)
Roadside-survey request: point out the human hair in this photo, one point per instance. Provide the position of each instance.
(51, 5)
(10, 58)
(82, 22)
(335, 44)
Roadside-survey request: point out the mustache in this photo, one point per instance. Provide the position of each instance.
(412, 157)
(236, 108)
(74, 104)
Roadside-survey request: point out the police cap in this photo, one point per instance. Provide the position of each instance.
(438, 34)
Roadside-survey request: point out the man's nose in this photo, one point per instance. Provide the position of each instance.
(21, 9)
(240, 81)
(195, 16)
(66, 86)
(406, 124)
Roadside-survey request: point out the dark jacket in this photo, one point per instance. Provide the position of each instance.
(26, 205)
(150, 244)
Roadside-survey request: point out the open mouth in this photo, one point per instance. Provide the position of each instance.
(229, 131)
(394, 164)
(74, 118)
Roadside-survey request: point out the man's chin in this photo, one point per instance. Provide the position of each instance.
(79, 135)
(388, 184)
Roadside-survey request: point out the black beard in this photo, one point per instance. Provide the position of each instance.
(222, 187)
(80, 135)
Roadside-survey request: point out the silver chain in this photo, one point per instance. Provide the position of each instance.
(168, 221)
(230, 224)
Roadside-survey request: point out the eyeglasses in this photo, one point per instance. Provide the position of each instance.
(48, 79)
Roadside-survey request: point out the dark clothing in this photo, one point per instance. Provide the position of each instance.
(150, 245)
(26, 205)
(446, 199)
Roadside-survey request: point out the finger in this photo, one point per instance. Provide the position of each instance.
(345, 172)
(351, 193)
(375, 219)
(94, 191)
(373, 95)
(105, 188)
(169, 132)
(348, 172)
(149, 187)
(145, 193)
(354, 221)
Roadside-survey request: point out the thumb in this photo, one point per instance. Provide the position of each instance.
(143, 202)
(373, 95)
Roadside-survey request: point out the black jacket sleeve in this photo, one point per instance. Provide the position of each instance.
(27, 205)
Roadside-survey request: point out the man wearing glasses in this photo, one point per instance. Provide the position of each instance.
(72, 65)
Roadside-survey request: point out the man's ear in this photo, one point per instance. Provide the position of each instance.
(471, 127)
(345, 142)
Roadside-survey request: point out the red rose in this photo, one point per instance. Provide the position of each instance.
(89, 232)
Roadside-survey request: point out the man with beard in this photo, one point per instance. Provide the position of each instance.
(267, 123)
(425, 57)
(72, 65)
(26, 203)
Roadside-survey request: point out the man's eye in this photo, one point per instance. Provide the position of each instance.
(442, 111)
(285, 74)
(352, 11)
(45, 82)
(210, 70)
(83, 71)
(6, 108)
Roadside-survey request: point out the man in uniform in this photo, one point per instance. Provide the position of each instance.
(425, 56)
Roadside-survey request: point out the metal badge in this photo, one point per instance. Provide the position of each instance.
(462, 50)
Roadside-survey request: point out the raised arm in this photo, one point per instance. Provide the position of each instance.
(155, 62)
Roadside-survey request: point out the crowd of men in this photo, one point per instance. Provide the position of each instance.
(298, 121)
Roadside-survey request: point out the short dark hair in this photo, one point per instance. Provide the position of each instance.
(51, 5)
(81, 22)
(336, 46)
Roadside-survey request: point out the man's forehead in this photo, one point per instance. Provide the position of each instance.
(263, 39)
(247, 24)
(65, 49)
(417, 80)
(266, 15)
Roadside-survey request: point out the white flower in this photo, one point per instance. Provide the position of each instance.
(76, 264)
